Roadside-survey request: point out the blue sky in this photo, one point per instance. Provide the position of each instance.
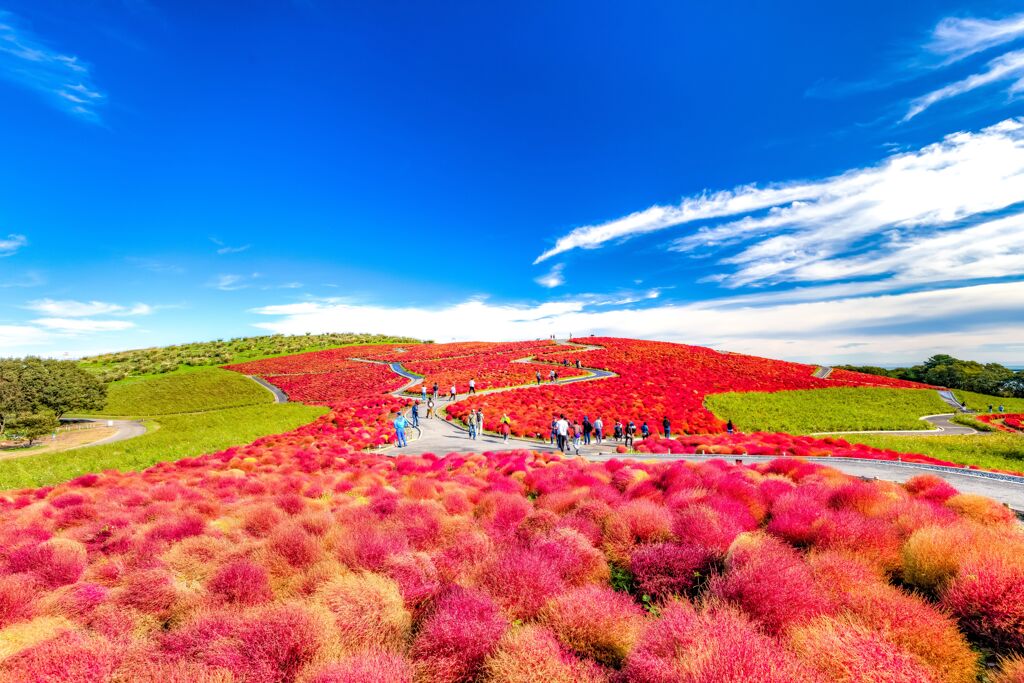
(796, 179)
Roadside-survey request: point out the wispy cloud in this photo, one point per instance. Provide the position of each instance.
(227, 249)
(12, 243)
(812, 331)
(230, 282)
(29, 279)
(154, 265)
(955, 38)
(63, 79)
(69, 308)
(867, 222)
(1009, 66)
(553, 278)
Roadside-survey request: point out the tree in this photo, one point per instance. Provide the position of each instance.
(59, 386)
(12, 397)
(31, 426)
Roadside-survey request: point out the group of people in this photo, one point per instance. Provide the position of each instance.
(432, 393)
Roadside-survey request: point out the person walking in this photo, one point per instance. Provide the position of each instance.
(563, 433)
(578, 366)
(416, 414)
(506, 427)
(538, 377)
(556, 376)
(617, 430)
(577, 434)
(599, 430)
(645, 431)
(630, 433)
(551, 376)
(479, 417)
(729, 428)
(435, 391)
(471, 423)
(451, 393)
(424, 391)
(400, 423)
(430, 408)
(472, 386)
(587, 429)
(667, 426)
(554, 429)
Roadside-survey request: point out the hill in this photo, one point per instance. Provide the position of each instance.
(156, 360)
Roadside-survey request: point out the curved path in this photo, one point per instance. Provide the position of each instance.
(944, 426)
(126, 429)
(439, 436)
(279, 395)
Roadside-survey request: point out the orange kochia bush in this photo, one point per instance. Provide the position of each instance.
(299, 558)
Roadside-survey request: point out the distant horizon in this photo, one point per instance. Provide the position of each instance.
(797, 181)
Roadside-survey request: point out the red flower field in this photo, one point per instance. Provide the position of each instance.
(1007, 422)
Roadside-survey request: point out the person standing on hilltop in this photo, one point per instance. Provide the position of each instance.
(435, 391)
(424, 391)
(729, 428)
(400, 423)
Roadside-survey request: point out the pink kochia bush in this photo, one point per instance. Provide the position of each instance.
(301, 558)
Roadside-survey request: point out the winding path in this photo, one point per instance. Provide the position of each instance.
(279, 395)
(126, 429)
(439, 436)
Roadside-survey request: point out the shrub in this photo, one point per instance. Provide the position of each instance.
(241, 582)
(662, 570)
(460, 630)
(987, 596)
(372, 666)
(532, 654)
(595, 622)
(1011, 670)
(368, 610)
(981, 509)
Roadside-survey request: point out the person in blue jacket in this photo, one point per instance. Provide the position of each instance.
(400, 423)
(416, 414)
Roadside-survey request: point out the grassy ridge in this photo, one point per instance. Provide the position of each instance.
(183, 391)
(997, 450)
(178, 436)
(114, 366)
(827, 410)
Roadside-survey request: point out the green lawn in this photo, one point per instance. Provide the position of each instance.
(178, 436)
(997, 450)
(981, 402)
(827, 410)
(186, 390)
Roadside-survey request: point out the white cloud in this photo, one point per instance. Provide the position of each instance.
(14, 337)
(956, 37)
(553, 278)
(83, 324)
(227, 249)
(1009, 66)
(229, 282)
(842, 329)
(69, 308)
(874, 221)
(11, 245)
(64, 79)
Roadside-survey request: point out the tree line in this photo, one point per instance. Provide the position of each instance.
(946, 371)
(36, 392)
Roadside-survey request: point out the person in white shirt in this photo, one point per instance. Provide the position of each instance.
(598, 429)
(563, 433)
(451, 394)
(472, 386)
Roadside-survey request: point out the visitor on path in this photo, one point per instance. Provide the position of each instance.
(471, 423)
(645, 431)
(578, 366)
(479, 418)
(538, 377)
(430, 408)
(451, 393)
(587, 429)
(563, 433)
(435, 391)
(577, 434)
(729, 428)
(554, 429)
(416, 414)
(556, 376)
(617, 430)
(599, 430)
(472, 386)
(667, 426)
(424, 388)
(630, 433)
(506, 427)
(551, 376)
(990, 408)
(1000, 407)
(400, 423)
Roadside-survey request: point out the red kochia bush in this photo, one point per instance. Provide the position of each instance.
(371, 666)
(595, 622)
(461, 629)
(987, 596)
(717, 644)
(665, 569)
(242, 582)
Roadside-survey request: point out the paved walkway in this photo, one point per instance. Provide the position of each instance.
(279, 395)
(440, 437)
(944, 426)
(126, 429)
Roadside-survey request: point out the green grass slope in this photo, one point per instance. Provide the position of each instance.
(827, 410)
(981, 402)
(175, 437)
(996, 450)
(114, 366)
(183, 391)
